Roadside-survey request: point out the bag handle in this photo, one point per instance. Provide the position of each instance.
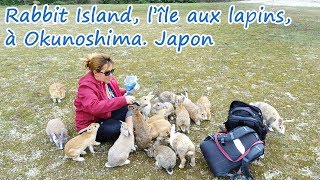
(247, 109)
(227, 155)
(235, 134)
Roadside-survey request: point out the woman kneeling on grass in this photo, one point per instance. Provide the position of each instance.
(100, 99)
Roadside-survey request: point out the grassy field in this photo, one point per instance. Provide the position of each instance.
(271, 63)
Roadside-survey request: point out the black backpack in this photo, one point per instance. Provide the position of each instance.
(222, 154)
(243, 114)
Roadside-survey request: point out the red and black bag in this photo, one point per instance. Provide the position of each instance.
(234, 150)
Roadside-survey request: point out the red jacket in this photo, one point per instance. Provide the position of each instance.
(92, 103)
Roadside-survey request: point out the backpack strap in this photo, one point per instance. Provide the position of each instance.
(236, 104)
(245, 162)
(235, 134)
(245, 168)
(235, 175)
(247, 109)
(227, 155)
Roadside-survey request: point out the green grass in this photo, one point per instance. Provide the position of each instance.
(272, 63)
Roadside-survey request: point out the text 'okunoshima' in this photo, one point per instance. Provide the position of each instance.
(164, 25)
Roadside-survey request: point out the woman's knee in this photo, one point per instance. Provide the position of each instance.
(120, 114)
(108, 130)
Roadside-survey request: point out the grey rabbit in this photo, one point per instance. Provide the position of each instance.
(57, 132)
(119, 152)
(164, 155)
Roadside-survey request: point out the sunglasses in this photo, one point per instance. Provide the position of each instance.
(108, 73)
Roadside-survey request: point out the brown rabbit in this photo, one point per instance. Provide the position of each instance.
(78, 144)
(57, 92)
(159, 128)
(142, 132)
(204, 104)
(182, 118)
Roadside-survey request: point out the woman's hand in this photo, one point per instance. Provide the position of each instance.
(130, 99)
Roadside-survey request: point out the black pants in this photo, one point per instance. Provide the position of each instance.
(109, 129)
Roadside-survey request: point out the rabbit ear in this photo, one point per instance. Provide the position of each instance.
(124, 129)
(183, 98)
(126, 132)
(54, 137)
(173, 129)
(130, 131)
(60, 141)
(151, 96)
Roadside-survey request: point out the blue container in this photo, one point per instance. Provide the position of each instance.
(131, 83)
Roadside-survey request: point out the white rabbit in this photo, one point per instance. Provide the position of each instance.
(271, 117)
(147, 101)
(119, 152)
(183, 147)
